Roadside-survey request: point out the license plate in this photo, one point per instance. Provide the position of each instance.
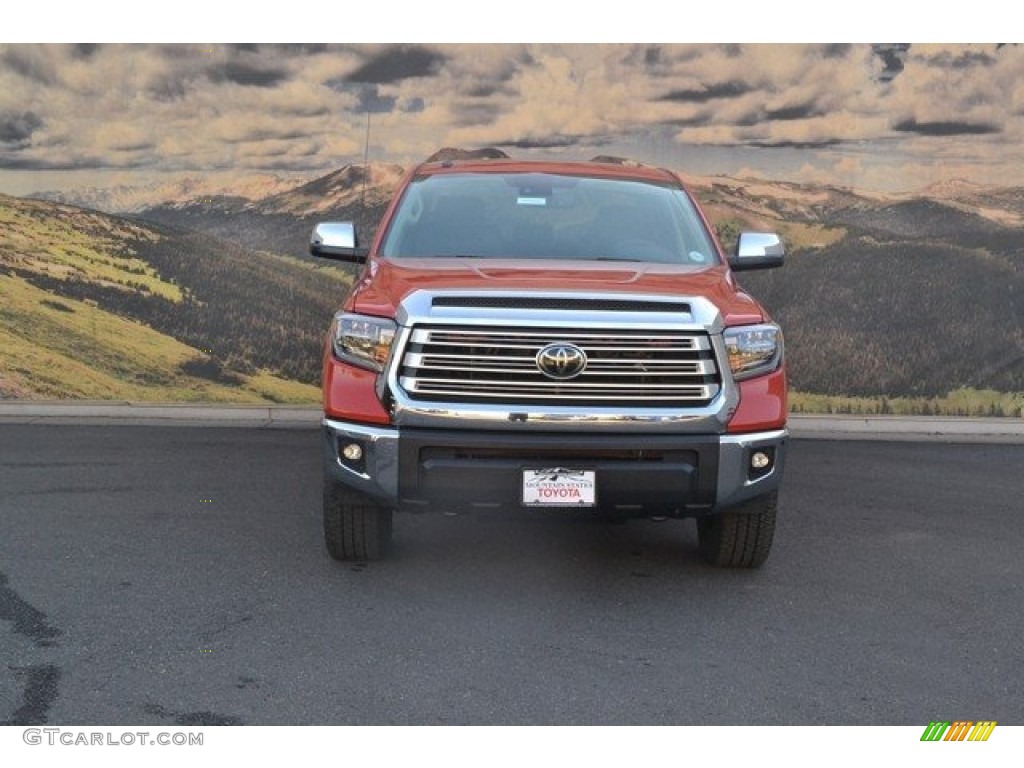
(559, 487)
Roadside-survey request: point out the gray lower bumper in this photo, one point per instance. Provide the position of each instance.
(377, 472)
(734, 484)
(378, 475)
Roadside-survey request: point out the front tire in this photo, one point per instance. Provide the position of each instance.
(355, 528)
(740, 537)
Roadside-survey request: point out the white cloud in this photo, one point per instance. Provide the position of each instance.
(193, 108)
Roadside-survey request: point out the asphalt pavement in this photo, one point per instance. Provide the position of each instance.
(160, 575)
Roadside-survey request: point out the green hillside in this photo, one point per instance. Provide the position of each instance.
(60, 348)
(899, 317)
(890, 305)
(99, 307)
(68, 243)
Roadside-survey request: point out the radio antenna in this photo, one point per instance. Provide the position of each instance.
(366, 159)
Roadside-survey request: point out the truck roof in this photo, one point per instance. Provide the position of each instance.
(599, 169)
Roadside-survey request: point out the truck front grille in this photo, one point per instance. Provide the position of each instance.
(649, 368)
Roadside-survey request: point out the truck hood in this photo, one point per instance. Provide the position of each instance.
(385, 283)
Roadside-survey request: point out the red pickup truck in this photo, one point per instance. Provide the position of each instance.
(551, 337)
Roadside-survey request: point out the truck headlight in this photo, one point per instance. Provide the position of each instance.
(362, 340)
(753, 349)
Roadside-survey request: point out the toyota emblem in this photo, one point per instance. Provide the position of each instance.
(561, 361)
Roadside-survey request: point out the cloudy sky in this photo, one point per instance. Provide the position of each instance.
(886, 117)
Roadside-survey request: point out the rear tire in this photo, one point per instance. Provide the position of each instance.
(355, 528)
(740, 537)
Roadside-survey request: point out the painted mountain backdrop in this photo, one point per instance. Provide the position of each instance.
(911, 302)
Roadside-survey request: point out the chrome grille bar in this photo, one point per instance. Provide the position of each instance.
(498, 365)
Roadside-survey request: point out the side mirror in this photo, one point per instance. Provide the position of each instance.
(758, 250)
(337, 240)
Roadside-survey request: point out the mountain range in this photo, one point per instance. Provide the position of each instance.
(127, 198)
(883, 295)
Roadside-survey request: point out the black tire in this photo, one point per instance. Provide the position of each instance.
(355, 528)
(740, 537)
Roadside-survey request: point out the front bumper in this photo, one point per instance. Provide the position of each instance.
(638, 475)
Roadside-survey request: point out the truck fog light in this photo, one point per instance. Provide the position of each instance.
(352, 451)
(760, 463)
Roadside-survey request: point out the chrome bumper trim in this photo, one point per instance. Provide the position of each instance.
(380, 452)
(733, 485)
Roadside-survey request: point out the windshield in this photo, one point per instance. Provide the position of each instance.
(547, 216)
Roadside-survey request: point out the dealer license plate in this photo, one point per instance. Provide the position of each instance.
(559, 487)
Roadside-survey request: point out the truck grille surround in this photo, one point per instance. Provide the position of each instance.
(655, 368)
